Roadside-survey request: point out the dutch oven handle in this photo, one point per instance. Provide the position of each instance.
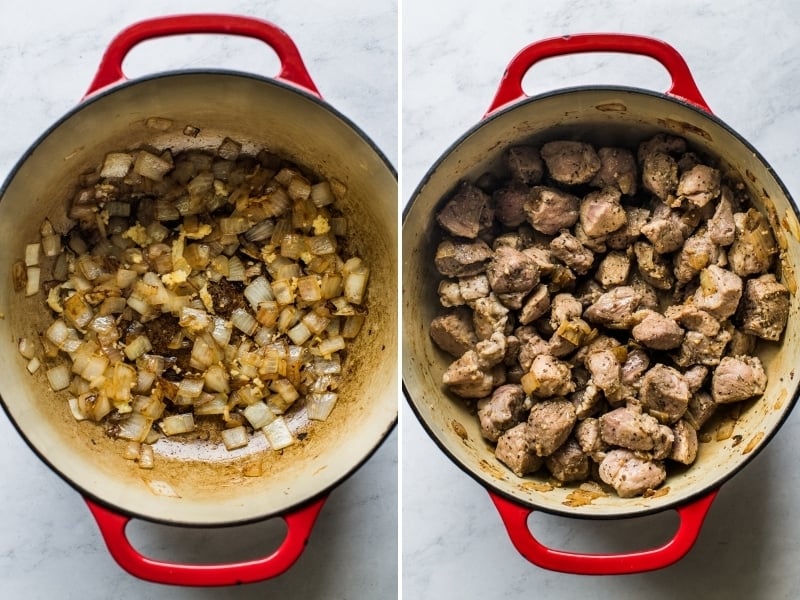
(515, 518)
(683, 85)
(299, 525)
(292, 68)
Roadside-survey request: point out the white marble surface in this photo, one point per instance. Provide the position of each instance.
(49, 545)
(744, 58)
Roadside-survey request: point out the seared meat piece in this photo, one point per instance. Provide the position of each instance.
(664, 393)
(693, 318)
(618, 169)
(568, 463)
(664, 233)
(613, 269)
(699, 349)
(684, 446)
(570, 162)
(450, 293)
(660, 175)
(658, 332)
(461, 216)
(549, 210)
(550, 422)
(687, 161)
(509, 202)
(564, 307)
(662, 444)
(569, 336)
(586, 400)
(512, 300)
(738, 378)
(491, 352)
(765, 307)
(601, 213)
(630, 428)
(548, 377)
(615, 308)
(474, 287)
(525, 164)
(489, 315)
(630, 475)
(701, 407)
(662, 142)
(721, 226)
(697, 253)
(587, 434)
(589, 292)
(753, 247)
(512, 271)
(652, 267)
(453, 331)
(695, 377)
(595, 244)
(572, 253)
(537, 304)
(515, 449)
(741, 343)
(465, 377)
(543, 258)
(648, 293)
(719, 292)
(634, 366)
(624, 237)
(700, 185)
(605, 370)
(532, 347)
(500, 412)
(458, 258)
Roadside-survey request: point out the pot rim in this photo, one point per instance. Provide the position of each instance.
(431, 431)
(109, 91)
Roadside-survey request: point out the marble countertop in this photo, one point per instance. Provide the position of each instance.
(49, 545)
(744, 58)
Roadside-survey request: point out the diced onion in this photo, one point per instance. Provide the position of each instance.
(146, 457)
(32, 285)
(75, 409)
(51, 246)
(299, 334)
(244, 321)
(319, 406)
(330, 345)
(259, 415)
(132, 450)
(352, 325)
(116, 164)
(33, 365)
(278, 434)
(134, 427)
(321, 194)
(229, 149)
(235, 269)
(58, 377)
(32, 254)
(151, 166)
(27, 348)
(235, 437)
(190, 387)
(177, 424)
(258, 291)
(137, 347)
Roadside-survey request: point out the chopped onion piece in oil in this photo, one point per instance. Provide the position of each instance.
(58, 377)
(177, 424)
(235, 437)
(319, 406)
(278, 434)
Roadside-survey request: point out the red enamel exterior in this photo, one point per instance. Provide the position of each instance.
(683, 85)
(292, 71)
(299, 523)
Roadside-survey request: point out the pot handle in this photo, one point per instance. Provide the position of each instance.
(683, 85)
(112, 527)
(515, 518)
(292, 68)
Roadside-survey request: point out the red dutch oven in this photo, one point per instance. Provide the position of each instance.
(603, 116)
(196, 483)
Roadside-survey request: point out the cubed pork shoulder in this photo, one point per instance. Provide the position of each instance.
(765, 307)
(629, 474)
(501, 411)
(549, 210)
(601, 304)
(738, 378)
(550, 423)
(570, 162)
(461, 216)
(617, 169)
(453, 331)
(515, 449)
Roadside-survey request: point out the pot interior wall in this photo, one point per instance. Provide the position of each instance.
(603, 117)
(197, 481)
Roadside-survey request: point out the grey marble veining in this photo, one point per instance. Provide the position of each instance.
(49, 545)
(745, 60)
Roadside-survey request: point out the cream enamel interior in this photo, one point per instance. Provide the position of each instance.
(605, 116)
(204, 484)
